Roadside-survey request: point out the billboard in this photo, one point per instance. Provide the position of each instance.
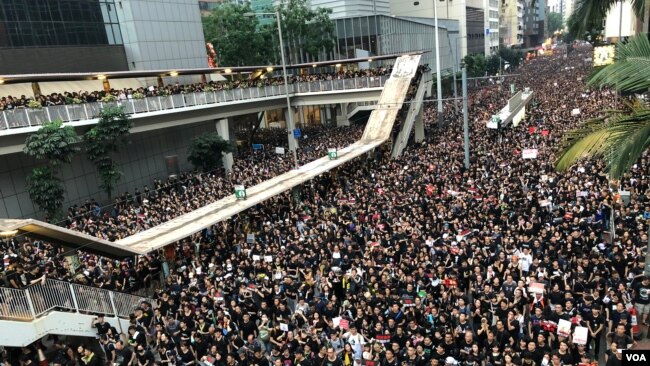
(604, 55)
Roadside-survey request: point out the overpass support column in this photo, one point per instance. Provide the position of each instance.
(293, 143)
(224, 131)
(419, 125)
(342, 115)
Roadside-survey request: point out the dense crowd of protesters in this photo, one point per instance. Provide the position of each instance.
(411, 261)
(70, 97)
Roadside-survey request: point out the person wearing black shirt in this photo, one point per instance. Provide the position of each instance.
(101, 325)
(123, 355)
(186, 355)
(143, 356)
(333, 360)
(389, 359)
(596, 326)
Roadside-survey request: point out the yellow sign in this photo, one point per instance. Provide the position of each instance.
(604, 55)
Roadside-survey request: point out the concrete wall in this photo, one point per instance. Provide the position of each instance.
(141, 160)
(162, 34)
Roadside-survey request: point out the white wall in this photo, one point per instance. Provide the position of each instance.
(613, 17)
(162, 34)
(353, 8)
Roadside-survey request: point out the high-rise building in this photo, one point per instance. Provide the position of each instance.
(492, 27)
(564, 7)
(471, 14)
(99, 35)
(353, 8)
(534, 22)
(511, 23)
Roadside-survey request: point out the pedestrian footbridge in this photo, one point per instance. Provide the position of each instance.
(160, 112)
(62, 308)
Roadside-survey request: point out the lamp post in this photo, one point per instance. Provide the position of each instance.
(290, 123)
(438, 76)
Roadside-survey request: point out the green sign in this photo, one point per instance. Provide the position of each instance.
(512, 88)
(240, 192)
(332, 154)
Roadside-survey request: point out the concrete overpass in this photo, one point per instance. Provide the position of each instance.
(183, 109)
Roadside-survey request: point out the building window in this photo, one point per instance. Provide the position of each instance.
(50, 23)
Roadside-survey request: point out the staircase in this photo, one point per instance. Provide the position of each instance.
(414, 112)
(62, 308)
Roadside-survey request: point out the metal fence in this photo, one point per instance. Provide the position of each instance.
(41, 298)
(28, 117)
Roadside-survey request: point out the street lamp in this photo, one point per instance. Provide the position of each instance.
(437, 47)
(290, 124)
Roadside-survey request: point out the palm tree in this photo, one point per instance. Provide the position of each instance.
(620, 137)
(590, 14)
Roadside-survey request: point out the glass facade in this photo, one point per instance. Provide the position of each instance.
(51, 23)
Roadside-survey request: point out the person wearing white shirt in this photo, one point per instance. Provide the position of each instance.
(355, 340)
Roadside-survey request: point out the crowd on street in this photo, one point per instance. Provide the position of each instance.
(413, 261)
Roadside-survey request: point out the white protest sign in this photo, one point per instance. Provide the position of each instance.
(284, 327)
(564, 328)
(536, 288)
(580, 335)
(268, 258)
(575, 111)
(279, 150)
(529, 154)
(256, 257)
(336, 321)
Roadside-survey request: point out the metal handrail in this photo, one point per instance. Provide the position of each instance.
(28, 117)
(41, 298)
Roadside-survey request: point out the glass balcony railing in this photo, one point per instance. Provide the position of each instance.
(29, 117)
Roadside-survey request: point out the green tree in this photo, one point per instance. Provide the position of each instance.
(239, 40)
(46, 191)
(206, 151)
(475, 64)
(512, 56)
(589, 15)
(56, 145)
(307, 32)
(619, 136)
(103, 141)
(492, 64)
(555, 22)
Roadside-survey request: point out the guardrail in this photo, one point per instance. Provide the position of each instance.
(28, 117)
(41, 298)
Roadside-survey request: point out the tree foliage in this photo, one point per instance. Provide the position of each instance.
(242, 40)
(512, 56)
(631, 70)
(102, 142)
(620, 137)
(54, 143)
(46, 190)
(475, 64)
(239, 40)
(589, 15)
(206, 151)
(304, 29)
(555, 22)
(492, 65)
